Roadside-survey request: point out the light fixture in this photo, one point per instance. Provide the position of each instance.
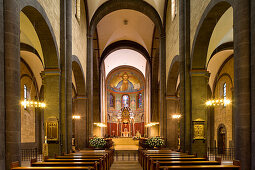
(217, 102)
(176, 116)
(76, 117)
(152, 124)
(100, 124)
(27, 103)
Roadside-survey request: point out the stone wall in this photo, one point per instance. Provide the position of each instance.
(28, 113)
(197, 8)
(223, 115)
(172, 37)
(52, 9)
(79, 37)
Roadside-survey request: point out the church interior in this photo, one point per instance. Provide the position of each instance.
(127, 84)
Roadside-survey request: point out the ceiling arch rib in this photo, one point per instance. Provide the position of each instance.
(93, 5)
(125, 24)
(124, 57)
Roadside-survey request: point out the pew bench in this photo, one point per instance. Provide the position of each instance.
(102, 162)
(199, 167)
(150, 159)
(181, 163)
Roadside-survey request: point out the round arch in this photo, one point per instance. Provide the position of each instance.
(140, 6)
(215, 10)
(79, 76)
(36, 14)
(173, 76)
(125, 44)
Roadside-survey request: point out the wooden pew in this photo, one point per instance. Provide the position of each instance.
(53, 168)
(101, 160)
(235, 166)
(105, 160)
(108, 156)
(146, 158)
(181, 163)
(96, 165)
(150, 159)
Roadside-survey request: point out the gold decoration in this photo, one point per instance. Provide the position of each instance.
(198, 129)
(52, 129)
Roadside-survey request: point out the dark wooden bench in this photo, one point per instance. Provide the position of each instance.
(150, 159)
(235, 166)
(146, 158)
(53, 168)
(102, 161)
(96, 165)
(181, 163)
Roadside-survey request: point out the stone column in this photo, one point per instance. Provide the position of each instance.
(66, 74)
(2, 102)
(252, 6)
(162, 88)
(89, 85)
(51, 82)
(80, 102)
(199, 83)
(184, 49)
(172, 124)
(242, 79)
(12, 82)
(69, 73)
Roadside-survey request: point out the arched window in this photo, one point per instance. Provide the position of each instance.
(173, 8)
(139, 103)
(112, 100)
(78, 9)
(125, 100)
(224, 92)
(25, 95)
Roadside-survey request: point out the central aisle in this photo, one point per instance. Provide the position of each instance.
(126, 165)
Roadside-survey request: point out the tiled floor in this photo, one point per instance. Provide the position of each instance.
(126, 165)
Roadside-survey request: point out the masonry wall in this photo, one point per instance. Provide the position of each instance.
(224, 115)
(172, 37)
(197, 8)
(52, 9)
(79, 36)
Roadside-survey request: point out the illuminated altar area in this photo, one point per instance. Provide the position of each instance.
(125, 103)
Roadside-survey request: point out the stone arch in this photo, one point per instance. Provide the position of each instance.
(36, 14)
(79, 76)
(208, 21)
(140, 6)
(173, 76)
(125, 44)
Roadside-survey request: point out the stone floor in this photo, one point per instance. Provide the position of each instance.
(126, 165)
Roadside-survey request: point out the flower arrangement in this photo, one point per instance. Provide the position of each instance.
(155, 142)
(97, 142)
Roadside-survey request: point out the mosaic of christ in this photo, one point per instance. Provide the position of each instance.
(125, 81)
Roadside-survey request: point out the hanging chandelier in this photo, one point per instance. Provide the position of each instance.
(218, 102)
(36, 104)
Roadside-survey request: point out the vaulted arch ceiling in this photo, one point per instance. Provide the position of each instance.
(157, 4)
(124, 57)
(125, 24)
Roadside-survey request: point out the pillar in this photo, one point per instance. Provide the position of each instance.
(66, 74)
(89, 85)
(162, 88)
(242, 109)
(51, 82)
(185, 91)
(252, 6)
(2, 102)
(199, 83)
(81, 135)
(12, 77)
(172, 124)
